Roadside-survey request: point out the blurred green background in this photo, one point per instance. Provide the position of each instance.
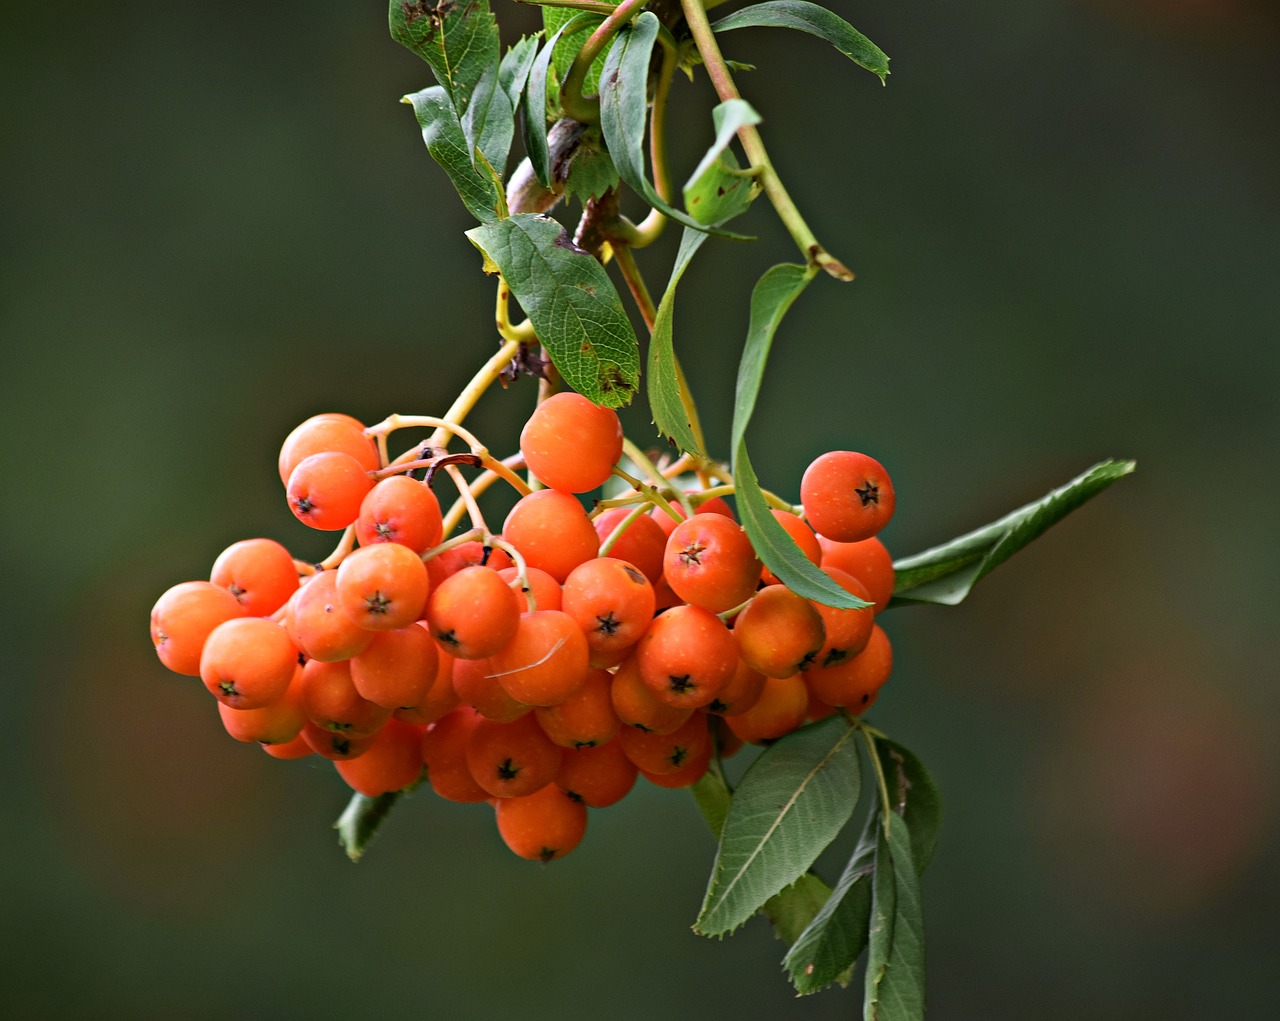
(216, 220)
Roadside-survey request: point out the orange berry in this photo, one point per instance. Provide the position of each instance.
(709, 562)
(541, 826)
(856, 682)
(552, 532)
(611, 601)
(510, 760)
(584, 719)
(740, 694)
(687, 656)
(402, 510)
(598, 776)
(439, 698)
(641, 544)
(331, 701)
(687, 775)
(260, 573)
(325, 490)
(444, 751)
(544, 588)
(473, 613)
(335, 746)
(779, 633)
(571, 444)
(277, 722)
(383, 587)
(847, 630)
(391, 763)
(248, 662)
(868, 561)
(320, 626)
(182, 619)
(636, 706)
(545, 662)
(847, 496)
(476, 688)
(803, 536)
(780, 709)
(295, 749)
(666, 753)
(328, 432)
(397, 668)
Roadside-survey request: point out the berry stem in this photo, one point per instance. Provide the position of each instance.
(521, 333)
(641, 461)
(649, 493)
(521, 581)
(345, 545)
(471, 535)
(695, 14)
(622, 526)
(468, 498)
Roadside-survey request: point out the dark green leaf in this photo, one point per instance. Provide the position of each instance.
(535, 109)
(591, 171)
(815, 20)
(458, 40)
(945, 574)
(571, 302)
(912, 795)
(445, 142)
(830, 945)
(624, 100)
(513, 72)
(773, 294)
(775, 547)
(360, 821)
(901, 987)
(489, 122)
(790, 805)
(880, 932)
(663, 380)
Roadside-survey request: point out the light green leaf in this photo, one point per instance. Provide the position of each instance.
(946, 574)
(663, 379)
(719, 194)
(513, 72)
(711, 795)
(912, 795)
(816, 20)
(360, 821)
(445, 142)
(831, 944)
(571, 302)
(794, 909)
(458, 40)
(591, 170)
(535, 109)
(728, 117)
(789, 806)
(775, 548)
(624, 100)
(553, 19)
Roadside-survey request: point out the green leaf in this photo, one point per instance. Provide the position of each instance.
(663, 380)
(831, 944)
(880, 932)
(360, 821)
(815, 20)
(553, 20)
(794, 909)
(624, 100)
(535, 110)
(773, 294)
(775, 547)
(571, 302)
(912, 795)
(445, 142)
(458, 40)
(513, 72)
(591, 170)
(728, 117)
(900, 985)
(489, 122)
(945, 574)
(790, 805)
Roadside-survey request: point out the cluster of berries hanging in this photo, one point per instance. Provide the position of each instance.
(543, 668)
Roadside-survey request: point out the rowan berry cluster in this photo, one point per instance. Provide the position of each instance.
(543, 668)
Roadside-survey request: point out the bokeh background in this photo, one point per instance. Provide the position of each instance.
(215, 219)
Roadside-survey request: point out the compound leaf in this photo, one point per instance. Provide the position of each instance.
(815, 20)
(946, 574)
(571, 302)
(898, 990)
(790, 805)
(912, 795)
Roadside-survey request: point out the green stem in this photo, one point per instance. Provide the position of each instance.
(885, 803)
(753, 145)
(587, 108)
